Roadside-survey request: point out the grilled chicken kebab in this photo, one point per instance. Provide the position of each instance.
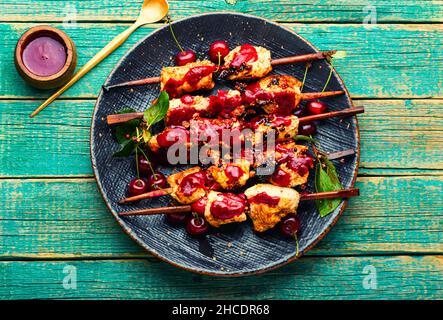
(292, 169)
(242, 63)
(265, 204)
(277, 94)
(245, 62)
(215, 131)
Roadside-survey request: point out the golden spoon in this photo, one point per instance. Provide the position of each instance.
(152, 11)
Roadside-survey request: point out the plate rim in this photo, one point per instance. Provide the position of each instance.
(139, 241)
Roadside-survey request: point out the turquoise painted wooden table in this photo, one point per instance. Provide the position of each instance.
(55, 228)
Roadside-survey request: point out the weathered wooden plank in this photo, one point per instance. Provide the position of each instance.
(281, 10)
(401, 133)
(395, 134)
(68, 219)
(384, 61)
(402, 277)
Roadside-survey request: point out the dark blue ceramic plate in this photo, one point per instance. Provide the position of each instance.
(235, 249)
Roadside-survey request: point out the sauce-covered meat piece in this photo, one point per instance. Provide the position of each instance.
(277, 94)
(168, 137)
(247, 62)
(283, 127)
(188, 186)
(268, 204)
(293, 165)
(188, 78)
(231, 175)
(224, 208)
(184, 109)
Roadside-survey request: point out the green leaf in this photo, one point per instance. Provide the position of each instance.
(126, 149)
(332, 173)
(327, 180)
(146, 135)
(307, 138)
(122, 131)
(129, 127)
(158, 110)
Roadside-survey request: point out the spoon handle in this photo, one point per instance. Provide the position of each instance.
(102, 54)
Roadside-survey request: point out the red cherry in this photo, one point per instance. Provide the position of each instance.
(218, 47)
(197, 226)
(199, 206)
(137, 186)
(143, 166)
(184, 57)
(173, 135)
(176, 218)
(307, 129)
(300, 111)
(157, 181)
(290, 226)
(317, 107)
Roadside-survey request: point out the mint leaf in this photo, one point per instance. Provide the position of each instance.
(158, 110)
(326, 180)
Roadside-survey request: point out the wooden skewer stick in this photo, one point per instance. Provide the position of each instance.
(346, 193)
(124, 117)
(332, 114)
(340, 154)
(121, 118)
(276, 62)
(155, 211)
(318, 95)
(165, 192)
(303, 58)
(147, 195)
(133, 83)
(187, 208)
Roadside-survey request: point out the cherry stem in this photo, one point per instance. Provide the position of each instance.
(136, 162)
(330, 75)
(198, 218)
(304, 76)
(168, 18)
(149, 162)
(219, 61)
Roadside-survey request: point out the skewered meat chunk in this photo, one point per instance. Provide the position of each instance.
(168, 137)
(247, 62)
(224, 208)
(276, 94)
(226, 104)
(191, 77)
(231, 175)
(188, 186)
(285, 128)
(268, 204)
(280, 153)
(293, 168)
(182, 110)
(213, 130)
